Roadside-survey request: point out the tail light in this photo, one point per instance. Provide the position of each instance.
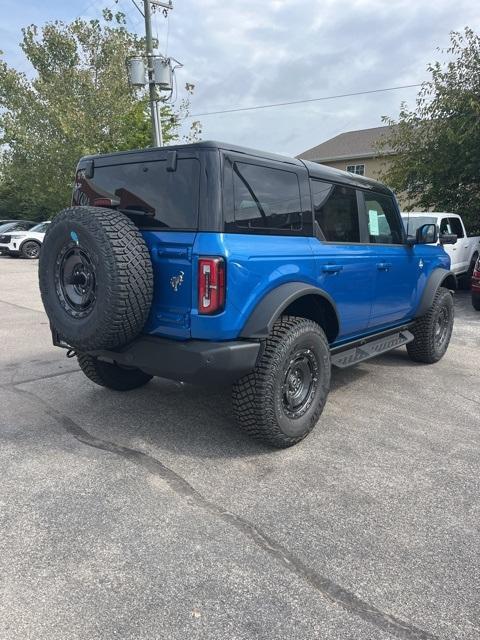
(211, 285)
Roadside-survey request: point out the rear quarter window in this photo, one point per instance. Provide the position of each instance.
(265, 200)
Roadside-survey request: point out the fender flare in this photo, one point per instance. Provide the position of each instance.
(434, 282)
(271, 306)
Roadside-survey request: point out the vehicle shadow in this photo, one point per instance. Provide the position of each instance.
(181, 418)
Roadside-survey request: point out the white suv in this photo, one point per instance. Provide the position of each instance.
(24, 243)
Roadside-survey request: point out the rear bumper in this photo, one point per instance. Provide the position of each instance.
(194, 361)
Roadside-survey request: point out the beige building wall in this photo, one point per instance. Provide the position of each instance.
(374, 168)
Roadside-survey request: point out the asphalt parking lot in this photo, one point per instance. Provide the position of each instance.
(148, 515)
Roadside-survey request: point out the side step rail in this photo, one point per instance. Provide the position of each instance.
(354, 355)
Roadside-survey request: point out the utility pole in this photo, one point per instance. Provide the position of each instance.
(157, 137)
(158, 70)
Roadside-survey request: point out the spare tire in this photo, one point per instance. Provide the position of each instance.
(96, 278)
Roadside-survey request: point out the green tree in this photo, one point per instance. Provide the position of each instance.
(437, 165)
(78, 102)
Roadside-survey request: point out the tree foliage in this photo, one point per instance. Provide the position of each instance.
(437, 165)
(78, 102)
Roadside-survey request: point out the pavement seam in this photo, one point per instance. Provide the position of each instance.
(19, 306)
(15, 383)
(322, 584)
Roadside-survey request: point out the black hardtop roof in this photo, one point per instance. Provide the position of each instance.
(322, 172)
(314, 169)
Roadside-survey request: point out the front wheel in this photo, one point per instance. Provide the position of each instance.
(432, 332)
(280, 402)
(111, 375)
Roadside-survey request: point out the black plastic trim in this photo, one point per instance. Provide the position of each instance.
(345, 346)
(269, 309)
(437, 277)
(195, 361)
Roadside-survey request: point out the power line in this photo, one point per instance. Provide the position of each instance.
(284, 104)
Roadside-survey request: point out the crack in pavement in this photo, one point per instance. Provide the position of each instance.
(325, 586)
(20, 306)
(14, 383)
(467, 398)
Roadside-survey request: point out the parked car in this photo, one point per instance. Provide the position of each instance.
(2, 222)
(16, 225)
(463, 252)
(212, 263)
(476, 286)
(24, 243)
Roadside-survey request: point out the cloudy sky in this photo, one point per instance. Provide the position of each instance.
(241, 53)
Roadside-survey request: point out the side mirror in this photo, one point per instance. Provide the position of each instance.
(448, 238)
(426, 234)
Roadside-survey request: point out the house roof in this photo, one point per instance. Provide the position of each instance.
(348, 146)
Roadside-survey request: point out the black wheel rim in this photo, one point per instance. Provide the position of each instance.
(75, 280)
(31, 249)
(442, 326)
(299, 383)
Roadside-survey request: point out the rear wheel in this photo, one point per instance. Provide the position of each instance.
(432, 332)
(476, 301)
(280, 402)
(111, 375)
(30, 250)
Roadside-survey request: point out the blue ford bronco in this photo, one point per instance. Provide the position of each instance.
(216, 264)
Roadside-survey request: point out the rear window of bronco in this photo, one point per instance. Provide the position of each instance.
(150, 193)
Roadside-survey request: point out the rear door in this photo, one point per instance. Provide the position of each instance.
(161, 196)
(345, 268)
(458, 252)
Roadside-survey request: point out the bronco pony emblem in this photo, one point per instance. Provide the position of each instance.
(176, 281)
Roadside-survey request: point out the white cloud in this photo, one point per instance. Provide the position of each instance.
(243, 53)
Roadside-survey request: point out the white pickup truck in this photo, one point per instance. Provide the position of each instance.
(463, 253)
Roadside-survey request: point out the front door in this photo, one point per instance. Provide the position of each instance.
(397, 266)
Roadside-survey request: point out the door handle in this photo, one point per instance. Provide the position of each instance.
(332, 268)
(384, 266)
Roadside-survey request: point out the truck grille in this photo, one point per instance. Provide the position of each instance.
(5, 239)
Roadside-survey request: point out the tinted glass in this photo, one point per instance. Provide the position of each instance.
(151, 195)
(265, 198)
(384, 226)
(336, 211)
(456, 227)
(40, 228)
(17, 226)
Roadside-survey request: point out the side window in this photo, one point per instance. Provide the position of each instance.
(456, 227)
(384, 225)
(336, 211)
(445, 226)
(265, 198)
(359, 169)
